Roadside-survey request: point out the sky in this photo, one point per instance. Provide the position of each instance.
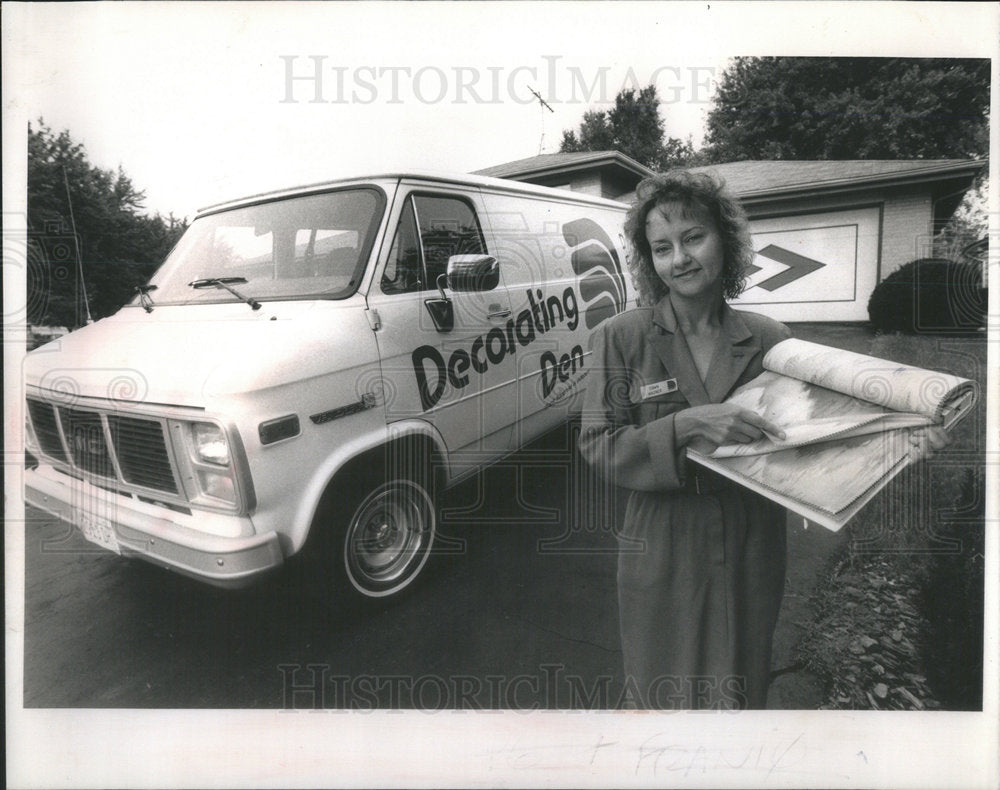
(204, 102)
(200, 103)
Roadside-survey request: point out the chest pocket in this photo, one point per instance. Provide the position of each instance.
(660, 406)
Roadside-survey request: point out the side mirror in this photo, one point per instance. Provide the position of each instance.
(473, 273)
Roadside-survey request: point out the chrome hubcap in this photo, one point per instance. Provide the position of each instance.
(389, 536)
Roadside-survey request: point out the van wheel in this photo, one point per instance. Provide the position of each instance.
(388, 538)
(370, 545)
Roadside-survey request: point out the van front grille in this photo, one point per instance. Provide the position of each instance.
(43, 420)
(136, 455)
(84, 432)
(142, 452)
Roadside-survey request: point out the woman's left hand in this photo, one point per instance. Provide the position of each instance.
(927, 441)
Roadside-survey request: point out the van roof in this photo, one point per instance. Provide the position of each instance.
(461, 179)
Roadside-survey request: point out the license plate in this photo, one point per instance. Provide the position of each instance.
(98, 530)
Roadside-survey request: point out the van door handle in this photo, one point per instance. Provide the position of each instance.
(498, 313)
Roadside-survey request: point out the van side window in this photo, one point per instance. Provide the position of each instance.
(404, 269)
(430, 230)
(448, 226)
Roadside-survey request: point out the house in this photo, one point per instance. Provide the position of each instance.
(826, 232)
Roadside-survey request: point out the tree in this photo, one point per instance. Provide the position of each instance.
(850, 108)
(634, 127)
(968, 225)
(595, 134)
(119, 245)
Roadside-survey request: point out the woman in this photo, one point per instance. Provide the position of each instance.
(701, 560)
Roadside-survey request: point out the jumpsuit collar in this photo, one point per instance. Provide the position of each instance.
(737, 347)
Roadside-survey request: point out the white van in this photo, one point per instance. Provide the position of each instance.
(304, 361)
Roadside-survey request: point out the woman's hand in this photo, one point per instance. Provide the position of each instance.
(708, 427)
(927, 441)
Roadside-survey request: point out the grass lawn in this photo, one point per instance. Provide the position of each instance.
(850, 337)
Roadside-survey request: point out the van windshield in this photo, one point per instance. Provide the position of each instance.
(311, 246)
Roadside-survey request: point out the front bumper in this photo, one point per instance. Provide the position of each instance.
(153, 533)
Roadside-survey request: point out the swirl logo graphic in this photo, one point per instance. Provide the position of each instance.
(595, 261)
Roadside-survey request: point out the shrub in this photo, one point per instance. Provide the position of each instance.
(930, 295)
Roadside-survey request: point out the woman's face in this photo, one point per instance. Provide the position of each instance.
(687, 250)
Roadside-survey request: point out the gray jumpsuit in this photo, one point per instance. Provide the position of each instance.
(701, 561)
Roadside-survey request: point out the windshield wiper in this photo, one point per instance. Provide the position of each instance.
(145, 300)
(224, 282)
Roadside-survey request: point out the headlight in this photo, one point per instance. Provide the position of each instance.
(207, 469)
(218, 485)
(210, 443)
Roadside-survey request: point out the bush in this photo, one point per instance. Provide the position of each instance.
(930, 295)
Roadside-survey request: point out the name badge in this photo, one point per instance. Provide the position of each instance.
(659, 388)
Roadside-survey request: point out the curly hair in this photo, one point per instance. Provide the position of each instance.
(692, 191)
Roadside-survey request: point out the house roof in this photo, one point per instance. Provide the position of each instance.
(551, 164)
(763, 179)
(767, 178)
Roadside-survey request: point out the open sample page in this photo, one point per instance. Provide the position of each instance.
(847, 419)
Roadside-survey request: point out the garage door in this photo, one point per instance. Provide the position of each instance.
(814, 267)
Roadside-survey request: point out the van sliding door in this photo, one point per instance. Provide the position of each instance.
(563, 263)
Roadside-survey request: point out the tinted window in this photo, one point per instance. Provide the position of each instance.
(448, 226)
(430, 231)
(404, 269)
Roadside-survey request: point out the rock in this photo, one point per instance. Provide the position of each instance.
(881, 690)
(908, 695)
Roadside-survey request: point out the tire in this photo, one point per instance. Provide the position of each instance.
(373, 544)
(388, 538)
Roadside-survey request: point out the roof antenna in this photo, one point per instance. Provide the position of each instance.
(545, 105)
(76, 246)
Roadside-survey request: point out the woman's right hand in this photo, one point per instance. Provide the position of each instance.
(718, 424)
